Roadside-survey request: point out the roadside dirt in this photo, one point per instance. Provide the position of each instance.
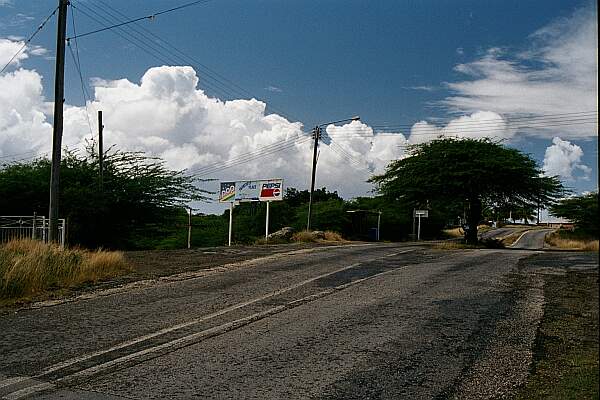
(565, 362)
(159, 264)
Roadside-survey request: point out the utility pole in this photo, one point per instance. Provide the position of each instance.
(317, 137)
(100, 150)
(59, 94)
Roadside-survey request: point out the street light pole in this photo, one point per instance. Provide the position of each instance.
(317, 137)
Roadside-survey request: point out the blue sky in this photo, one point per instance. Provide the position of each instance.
(391, 62)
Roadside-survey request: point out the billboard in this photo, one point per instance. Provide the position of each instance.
(271, 190)
(227, 192)
(258, 190)
(247, 190)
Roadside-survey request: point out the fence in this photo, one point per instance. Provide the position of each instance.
(28, 227)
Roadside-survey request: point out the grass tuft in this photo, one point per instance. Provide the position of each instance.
(317, 236)
(30, 267)
(304, 236)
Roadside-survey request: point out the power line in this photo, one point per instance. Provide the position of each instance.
(508, 119)
(139, 43)
(39, 28)
(250, 156)
(479, 126)
(77, 62)
(148, 17)
(169, 52)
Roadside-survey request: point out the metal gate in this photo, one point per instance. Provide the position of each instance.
(28, 227)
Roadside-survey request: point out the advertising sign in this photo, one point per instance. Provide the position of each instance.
(259, 190)
(227, 192)
(271, 190)
(247, 190)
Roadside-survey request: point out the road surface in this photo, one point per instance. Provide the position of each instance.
(378, 321)
(532, 239)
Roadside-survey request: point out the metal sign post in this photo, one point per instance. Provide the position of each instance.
(378, 223)
(419, 214)
(230, 221)
(267, 222)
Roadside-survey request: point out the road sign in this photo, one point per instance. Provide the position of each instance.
(422, 213)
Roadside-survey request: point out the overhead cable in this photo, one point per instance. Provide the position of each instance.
(29, 39)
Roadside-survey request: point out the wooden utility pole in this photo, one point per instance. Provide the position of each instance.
(59, 94)
(100, 150)
(317, 136)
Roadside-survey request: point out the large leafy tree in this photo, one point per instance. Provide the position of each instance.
(137, 204)
(582, 210)
(474, 172)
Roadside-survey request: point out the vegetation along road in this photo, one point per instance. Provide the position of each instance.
(356, 321)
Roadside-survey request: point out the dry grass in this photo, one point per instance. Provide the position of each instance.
(454, 232)
(331, 236)
(317, 236)
(304, 236)
(555, 240)
(29, 267)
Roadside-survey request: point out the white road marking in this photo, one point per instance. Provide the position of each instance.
(19, 394)
(13, 380)
(220, 329)
(519, 238)
(189, 338)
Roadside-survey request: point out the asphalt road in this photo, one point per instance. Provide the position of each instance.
(533, 239)
(372, 321)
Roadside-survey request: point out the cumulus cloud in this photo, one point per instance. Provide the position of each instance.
(563, 158)
(23, 125)
(8, 48)
(166, 114)
(481, 124)
(557, 74)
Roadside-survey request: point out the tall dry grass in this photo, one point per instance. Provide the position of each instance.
(317, 236)
(555, 240)
(30, 267)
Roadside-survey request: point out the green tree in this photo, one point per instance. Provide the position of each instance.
(581, 210)
(477, 173)
(137, 206)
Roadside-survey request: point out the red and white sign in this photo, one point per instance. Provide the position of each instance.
(271, 190)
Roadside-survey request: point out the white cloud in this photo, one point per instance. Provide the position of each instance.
(168, 116)
(481, 124)
(8, 48)
(563, 158)
(556, 75)
(273, 89)
(23, 125)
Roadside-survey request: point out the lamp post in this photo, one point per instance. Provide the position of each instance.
(317, 137)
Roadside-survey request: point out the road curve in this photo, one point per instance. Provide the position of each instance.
(532, 240)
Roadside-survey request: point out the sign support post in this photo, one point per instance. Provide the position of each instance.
(378, 223)
(267, 222)
(419, 214)
(230, 220)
